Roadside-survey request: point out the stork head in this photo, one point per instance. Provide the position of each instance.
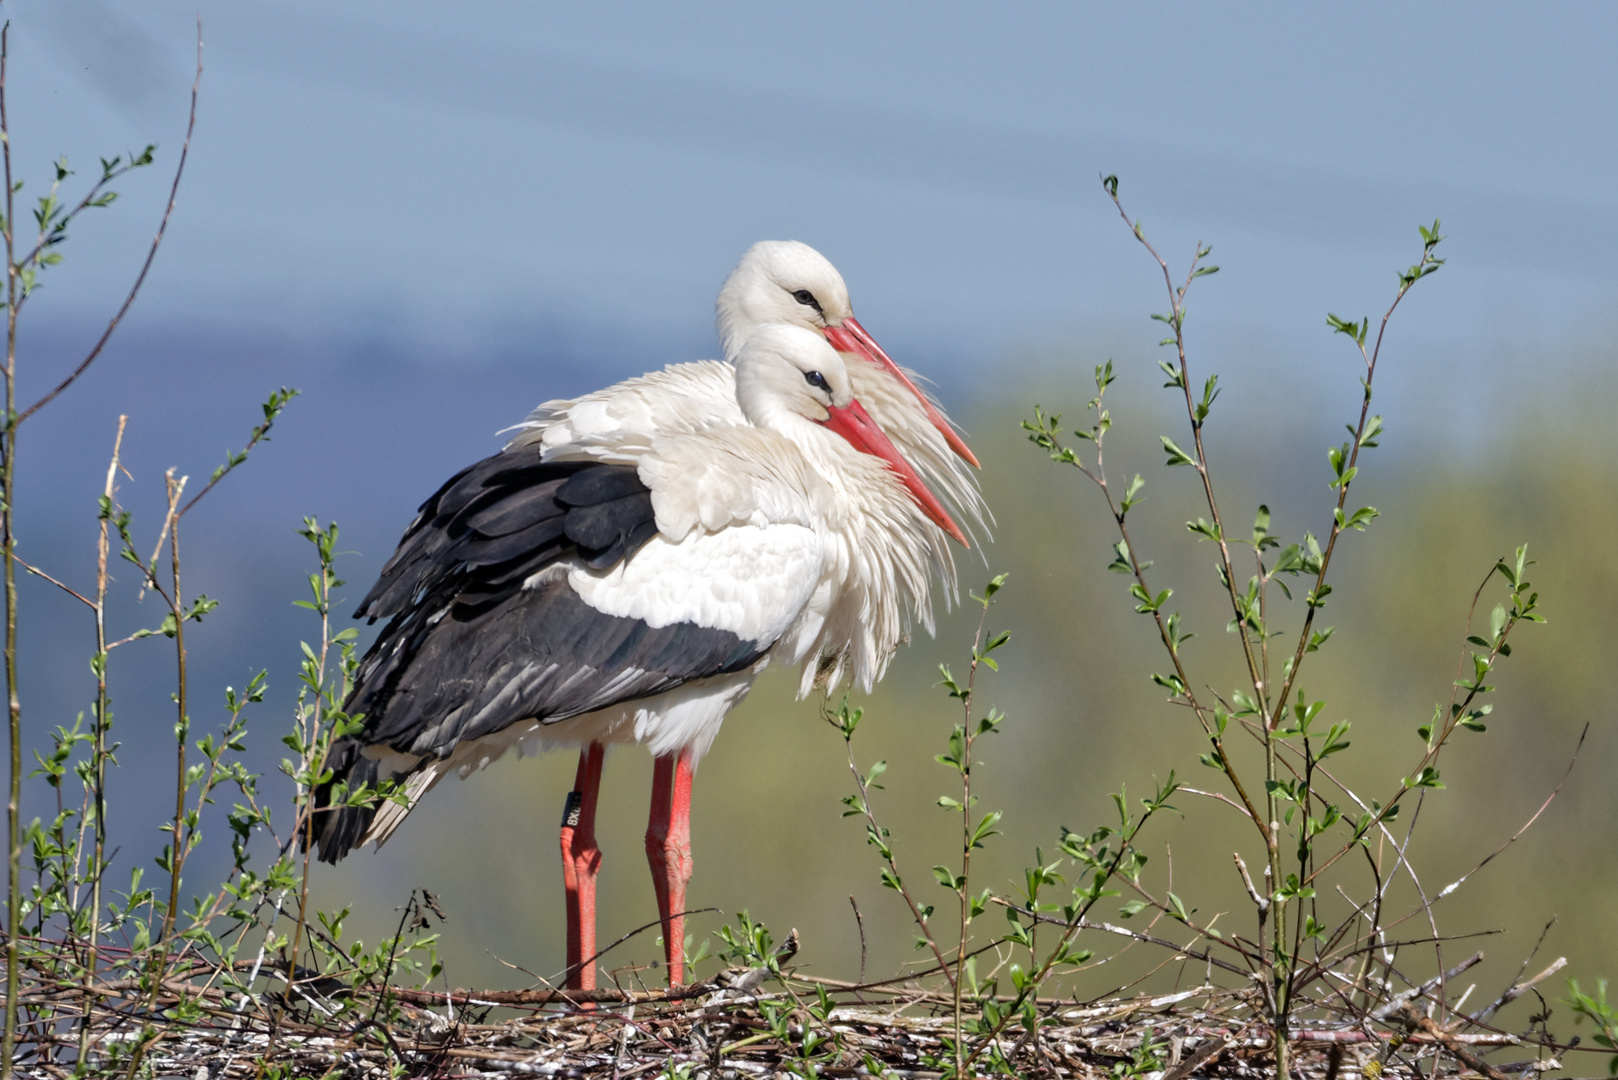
(779, 282)
(784, 282)
(786, 375)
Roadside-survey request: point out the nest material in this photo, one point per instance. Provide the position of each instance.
(740, 1024)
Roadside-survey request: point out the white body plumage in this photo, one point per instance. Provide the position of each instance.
(773, 529)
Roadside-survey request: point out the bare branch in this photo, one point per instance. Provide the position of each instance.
(1398, 1001)
(1518, 989)
(157, 241)
(37, 572)
(1458, 882)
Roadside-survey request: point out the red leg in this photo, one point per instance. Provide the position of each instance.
(581, 861)
(668, 850)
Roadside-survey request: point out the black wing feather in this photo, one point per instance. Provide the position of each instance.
(512, 490)
(544, 654)
(595, 486)
(468, 651)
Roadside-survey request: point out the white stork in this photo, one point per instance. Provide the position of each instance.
(631, 591)
(776, 282)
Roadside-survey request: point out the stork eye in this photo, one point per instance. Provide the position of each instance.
(815, 378)
(807, 298)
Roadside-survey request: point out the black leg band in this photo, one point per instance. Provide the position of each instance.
(574, 810)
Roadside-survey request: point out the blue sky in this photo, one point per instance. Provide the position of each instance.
(452, 178)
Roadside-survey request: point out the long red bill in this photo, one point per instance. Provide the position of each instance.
(853, 423)
(851, 337)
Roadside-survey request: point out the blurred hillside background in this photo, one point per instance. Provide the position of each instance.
(430, 219)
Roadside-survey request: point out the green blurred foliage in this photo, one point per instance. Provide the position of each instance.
(1084, 716)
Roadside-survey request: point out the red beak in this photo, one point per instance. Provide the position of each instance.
(852, 338)
(854, 424)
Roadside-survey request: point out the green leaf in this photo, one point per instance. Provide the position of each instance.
(1355, 330)
(1427, 778)
(1317, 638)
(1120, 559)
(1132, 494)
(1359, 519)
(1171, 683)
(1336, 740)
(1176, 456)
(1173, 629)
(1209, 393)
(1261, 527)
(1148, 603)
(986, 828)
(1497, 621)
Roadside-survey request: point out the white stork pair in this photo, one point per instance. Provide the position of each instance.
(628, 564)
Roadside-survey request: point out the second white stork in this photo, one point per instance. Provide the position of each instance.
(776, 282)
(536, 602)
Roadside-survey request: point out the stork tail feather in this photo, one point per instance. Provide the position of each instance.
(340, 830)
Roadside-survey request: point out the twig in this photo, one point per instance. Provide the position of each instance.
(1453, 1045)
(861, 924)
(8, 478)
(162, 227)
(625, 937)
(170, 519)
(37, 572)
(1210, 1049)
(1517, 990)
(1220, 797)
(260, 433)
(1247, 880)
(1456, 884)
(387, 971)
(102, 719)
(1400, 1000)
(1136, 935)
(552, 997)
(877, 836)
(1352, 1036)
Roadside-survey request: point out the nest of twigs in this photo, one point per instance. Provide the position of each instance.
(741, 1023)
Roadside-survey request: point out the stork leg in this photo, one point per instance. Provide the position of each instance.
(668, 850)
(581, 861)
